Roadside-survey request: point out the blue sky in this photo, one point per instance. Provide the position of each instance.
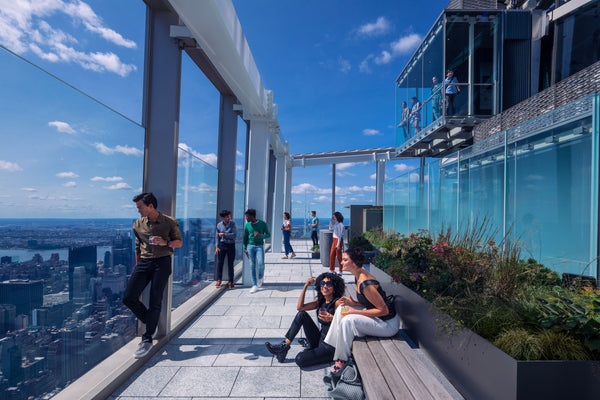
(331, 66)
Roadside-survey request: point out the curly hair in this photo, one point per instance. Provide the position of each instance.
(356, 254)
(339, 286)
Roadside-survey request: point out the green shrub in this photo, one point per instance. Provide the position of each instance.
(315, 248)
(520, 344)
(360, 242)
(560, 346)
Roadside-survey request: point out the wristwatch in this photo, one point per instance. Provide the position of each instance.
(168, 243)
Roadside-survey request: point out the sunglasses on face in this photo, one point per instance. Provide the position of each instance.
(326, 283)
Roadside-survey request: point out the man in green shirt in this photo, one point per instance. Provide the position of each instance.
(255, 233)
(156, 235)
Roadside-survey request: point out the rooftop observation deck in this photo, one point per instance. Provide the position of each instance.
(221, 354)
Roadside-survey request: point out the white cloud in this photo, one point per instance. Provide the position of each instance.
(67, 175)
(342, 191)
(344, 65)
(402, 46)
(201, 188)
(118, 186)
(210, 158)
(406, 44)
(70, 184)
(107, 179)
(25, 26)
(380, 27)
(383, 58)
(9, 166)
(343, 166)
(27, 189)
(239, 167)
(402, 167)
(322, 199)
(239, 153)
(371, 132)
(309, 188)
(62, 127)
(128, 151)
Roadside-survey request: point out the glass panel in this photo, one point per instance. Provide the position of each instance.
(401, 205)
(433, 74)
(550, 196)
(578, 41)
(483, 68)
(193, 264)
(448, 192)
(403, 129)
(69, 168)
(457, 60)
(388, 206)
(434, 203)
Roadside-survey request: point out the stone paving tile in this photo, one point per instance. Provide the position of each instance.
(216, 309)
(208, 381)
(311, 382)
(265, 321)
(268, 301)
(215, 321)
(229, 336)
(267, 382)
(251, 309)
(149, 382)
(186, 355)
(281, 310)
(243, 355)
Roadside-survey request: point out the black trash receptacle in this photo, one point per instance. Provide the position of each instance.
(325, 240)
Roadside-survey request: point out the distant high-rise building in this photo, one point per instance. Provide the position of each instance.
(8, 312)
(6, 260)
(11, 360)
(122, 251)
(107, 260)
(22, 321)
(24, 294)
(86, 257)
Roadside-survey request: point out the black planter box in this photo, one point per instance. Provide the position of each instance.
(480, 370)
(315, 254)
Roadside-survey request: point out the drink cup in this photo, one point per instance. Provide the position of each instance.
(344, 311)
(152, 238)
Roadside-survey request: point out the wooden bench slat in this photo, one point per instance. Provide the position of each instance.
(430, 381)
(372, 378)
(397, 368)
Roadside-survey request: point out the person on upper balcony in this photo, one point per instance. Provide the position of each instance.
(404, 121)
(415, 114)
(451, 91)
(436, 98)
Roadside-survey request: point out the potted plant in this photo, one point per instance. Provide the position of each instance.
(498, 327)
(315, 252)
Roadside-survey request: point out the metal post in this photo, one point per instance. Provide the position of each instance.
(162, 80)
(332, 188)
(380, 179)
(226, 154)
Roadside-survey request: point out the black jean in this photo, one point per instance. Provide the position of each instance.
(155, 271)
(226, 249)
(315, 237)
(319, 351)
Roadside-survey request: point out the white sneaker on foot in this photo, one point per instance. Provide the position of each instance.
(254, 289)
(284, 257)
(293, 255)
(143, 349)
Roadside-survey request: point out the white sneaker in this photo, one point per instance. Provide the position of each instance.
(254, 289)
(260, 282)
(284, 257)
(142, 350)
(293, 255)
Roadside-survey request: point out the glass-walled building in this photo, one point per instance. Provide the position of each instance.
(532, 172)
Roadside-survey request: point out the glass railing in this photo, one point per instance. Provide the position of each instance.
(69, 168)
(537, 182)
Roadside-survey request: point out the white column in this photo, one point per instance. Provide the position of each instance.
(287, 202)
(257, 177)
(278, 203)
(258, 163)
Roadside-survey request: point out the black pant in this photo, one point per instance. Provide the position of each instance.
(315, 237)
(226, 249)
(451, 110)
(319, 351)
(155, 271)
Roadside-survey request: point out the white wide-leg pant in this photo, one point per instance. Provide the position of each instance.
(343, 330)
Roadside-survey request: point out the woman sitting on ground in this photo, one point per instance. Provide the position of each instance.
(330, 288)
(367, 316)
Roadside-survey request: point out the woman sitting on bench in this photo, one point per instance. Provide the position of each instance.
(330, 288)
(367, 316)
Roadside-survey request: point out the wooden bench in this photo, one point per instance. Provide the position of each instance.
(390, 370)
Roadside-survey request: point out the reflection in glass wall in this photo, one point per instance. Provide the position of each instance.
(578, 41)
(69, 168)
(194, 262)
(538, 182)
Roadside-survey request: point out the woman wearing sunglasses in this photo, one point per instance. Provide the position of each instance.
(330, 288)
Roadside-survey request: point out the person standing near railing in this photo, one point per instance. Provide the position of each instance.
(156, 235)
(225, 247)
(286, 229)
(404, 122)
(451, 91)
(415, 114)
(337, 227)
(255, 233)
(314, 228)
(436, 98)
